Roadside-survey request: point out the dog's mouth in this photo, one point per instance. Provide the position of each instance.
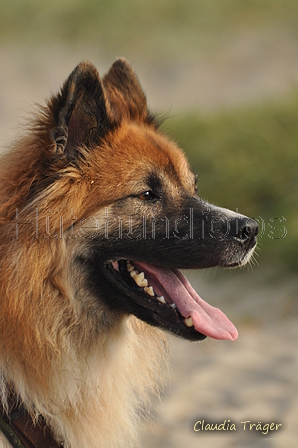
(164, 297)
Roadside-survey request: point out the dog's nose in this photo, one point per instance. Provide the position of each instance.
(244, 229)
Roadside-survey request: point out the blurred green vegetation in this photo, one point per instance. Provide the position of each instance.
(247, 160)
(166, 28)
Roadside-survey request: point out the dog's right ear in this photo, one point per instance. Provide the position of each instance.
(125, 93)
(80, 111)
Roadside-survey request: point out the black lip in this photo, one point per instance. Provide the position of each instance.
(134, 301)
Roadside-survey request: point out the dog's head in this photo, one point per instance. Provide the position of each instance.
(128, 207)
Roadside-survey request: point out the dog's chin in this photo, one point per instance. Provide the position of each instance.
(163, 297)
(241, 261)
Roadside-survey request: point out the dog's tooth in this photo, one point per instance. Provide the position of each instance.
(133, 273)
(130, 267)
(141, 280)
(172, 305)
(139, 277)
(161, 299)
(189, 322)
(150, 291)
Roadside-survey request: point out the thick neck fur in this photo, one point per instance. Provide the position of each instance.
(90, 398)
(90, 385)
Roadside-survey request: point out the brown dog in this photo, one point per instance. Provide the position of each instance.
(98, 210)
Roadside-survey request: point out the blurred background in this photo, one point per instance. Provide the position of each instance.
(225, 74)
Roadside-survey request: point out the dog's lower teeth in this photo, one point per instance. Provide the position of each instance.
(188, 322)
(173, 306)
(129, 266)
(144, 283)
(150, 291)
(161, 299)
(133, 273)
(141, 280)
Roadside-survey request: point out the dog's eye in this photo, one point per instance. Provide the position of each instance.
(146, 196)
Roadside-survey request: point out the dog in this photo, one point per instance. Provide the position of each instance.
(98, 212)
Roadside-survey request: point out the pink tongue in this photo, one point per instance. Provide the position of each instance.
(207, 320)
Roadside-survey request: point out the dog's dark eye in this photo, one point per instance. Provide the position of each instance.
(147, 196)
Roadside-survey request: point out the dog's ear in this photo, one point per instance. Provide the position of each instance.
(80, 111)
(125, 93)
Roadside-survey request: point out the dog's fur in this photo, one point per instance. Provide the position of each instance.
(92, 183)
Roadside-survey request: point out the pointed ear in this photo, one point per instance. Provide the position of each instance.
(80, 111)
(125, 93)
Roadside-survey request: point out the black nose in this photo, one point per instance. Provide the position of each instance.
(244, 229)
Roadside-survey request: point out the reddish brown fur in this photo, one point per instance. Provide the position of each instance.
(71, 347)
(41, 328)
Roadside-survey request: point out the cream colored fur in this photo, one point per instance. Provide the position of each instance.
(95, 398)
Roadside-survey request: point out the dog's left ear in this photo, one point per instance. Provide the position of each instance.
(80, 111)
(125, 93)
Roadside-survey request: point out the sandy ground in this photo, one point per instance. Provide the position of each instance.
(254, 378)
